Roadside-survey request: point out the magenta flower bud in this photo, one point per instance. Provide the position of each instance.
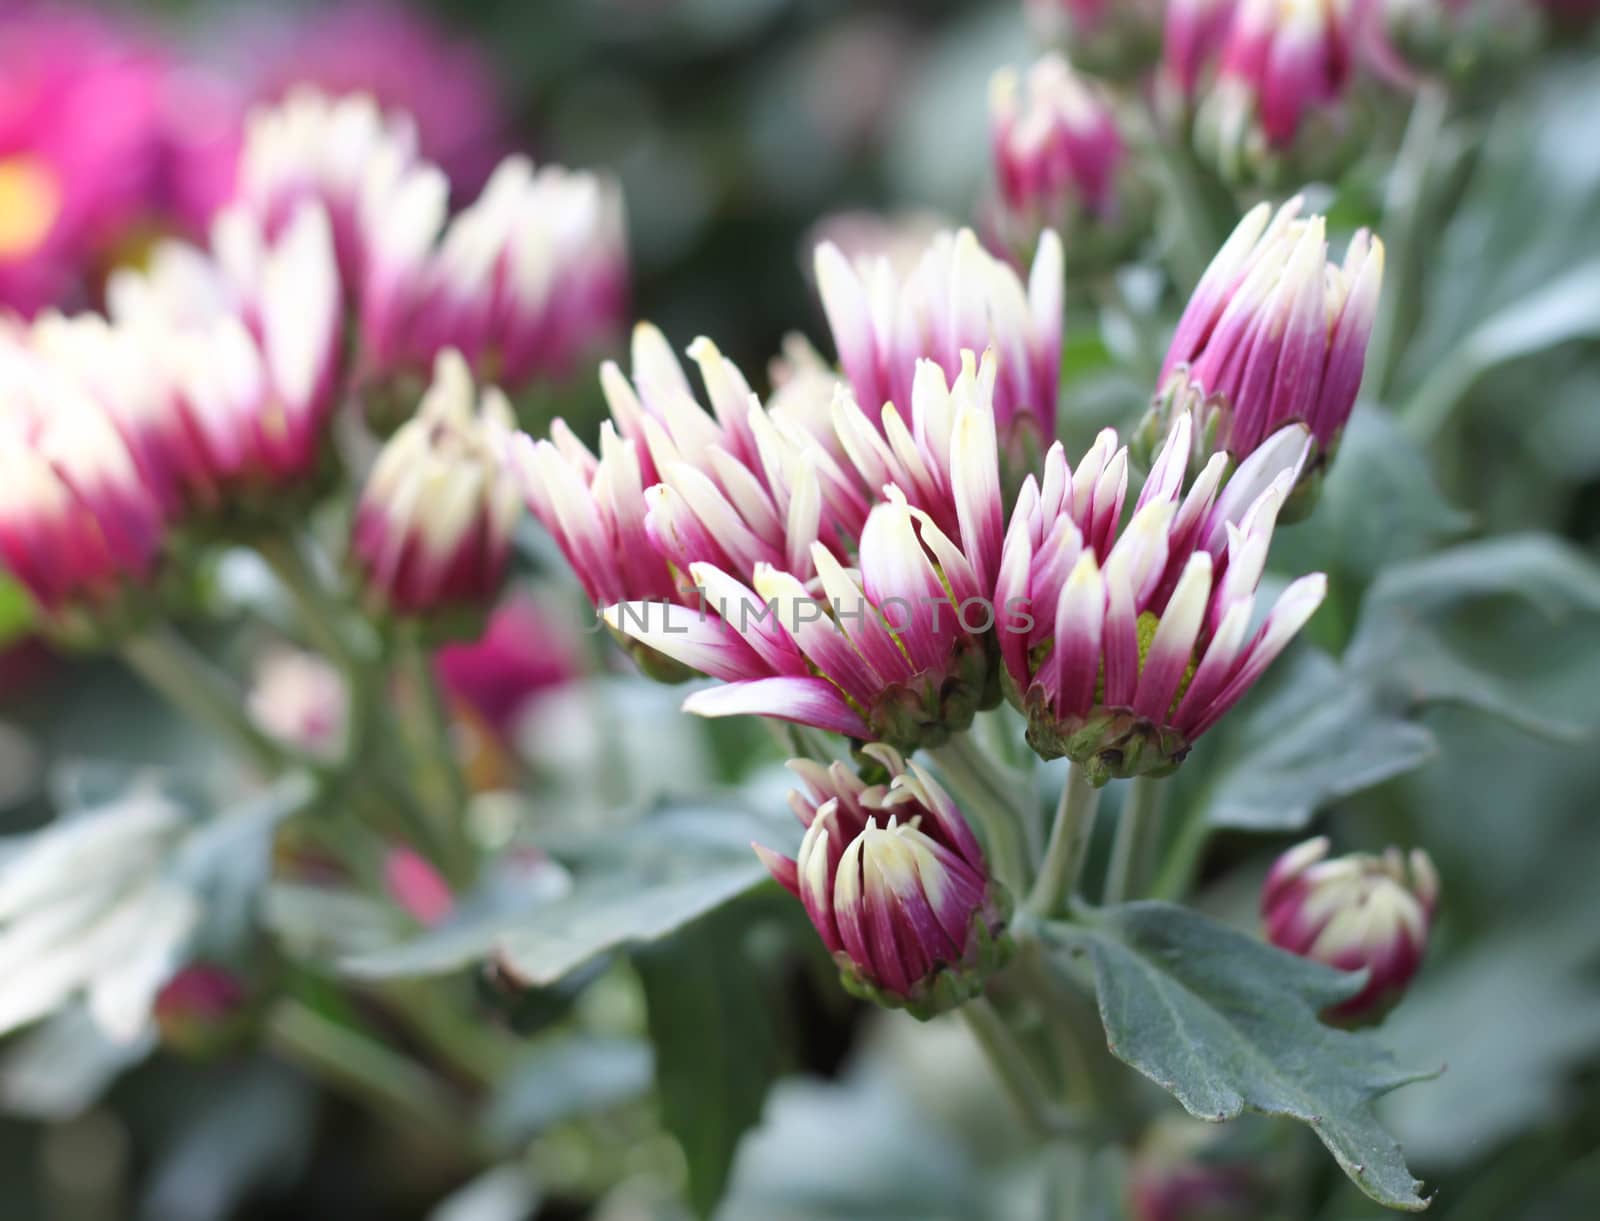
(433, 527)
(1060, 161)
(1111, 38)
(203, 1011)
(959, 298)
(1192, 42)
(1354, 912)
(1124, 645)
(1275, 334)
(1281, 101)
(416, 887)
(524, 652)
(1184, 1170)
(895, 883)
(79, 524)
(895, 650)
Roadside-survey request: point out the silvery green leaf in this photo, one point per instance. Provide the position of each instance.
(1226, 1024)
(565, 1076)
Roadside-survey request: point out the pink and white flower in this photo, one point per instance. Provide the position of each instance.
(432, 529)
(1275, 334)
(895, 883)
(1124, 645)
(1354, 912)
(1191, 45)
(959, 298)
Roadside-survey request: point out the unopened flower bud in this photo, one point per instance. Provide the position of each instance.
(1187, 1170)
(203, 1011)
(433, 529)
(416, 887)
(896, 885)
(1283, 105)
(1276, 334)
(300, 699)
(1111, 38)
(1354, 912)
(1061, 163)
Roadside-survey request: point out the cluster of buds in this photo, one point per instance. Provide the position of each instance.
(958, 298)
(1356, 912)
(1276, 334)
(896, 885)
(895, 650)
(1061, 163)
(432, 529)
(1111, 38)
(1271, 85)
(522, 281)
(1123, 646)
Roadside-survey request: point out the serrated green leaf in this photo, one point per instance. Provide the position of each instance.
(632, 886)
(1226, 1023)
(1314, 735)
(717, 1048)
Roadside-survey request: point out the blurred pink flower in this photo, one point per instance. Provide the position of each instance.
(407, 62)
(416, 886)
(81, 107)
(521, 653)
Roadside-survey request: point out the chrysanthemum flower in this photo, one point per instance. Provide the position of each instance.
(959, 298)
(895, 883)
(229, 361)
(78, 520)
(1275, 334)
(1123, 646)
(1283, 86)
(1060, 160)
(1354, 912)
(432, 529)
(1193, 37)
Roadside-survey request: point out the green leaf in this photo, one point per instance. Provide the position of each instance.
(716, 1043)
(563, 1077)
(1226, 1024)
(1314, 735)
(631, 886)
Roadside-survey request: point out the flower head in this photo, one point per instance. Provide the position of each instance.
(895, 883)
(1354, 912)
(433, 527)
(1192, 39)
(203, 1010)
(1275, 334)
(524, 651)
(301, 700)
(1123, 645)
(79, 523)
(896, 648)
(1060, 160)
(959, 298)
(1283, 89)
(222, 367)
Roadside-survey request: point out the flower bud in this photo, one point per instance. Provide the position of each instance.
(1060, 163)
(433, 528)
(416, 887)
(1276, 334)
(1282, 102)
(1354, 912)
(203, 1011)
(1111, 38)
(301, 700)
(1187, 1170)
(896, 885)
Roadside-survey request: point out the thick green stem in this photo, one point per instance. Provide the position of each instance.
(319, 615)
(1069, 843)
(187, 680)
(1405, 233)
(1137, 828)
(989, 799)
(1017, 1074)
(441, 782)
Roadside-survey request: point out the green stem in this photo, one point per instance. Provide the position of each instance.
(1183, 858)
(988, 797)
(1203, 206)
(319, 615)
(1136, 836)
(187, 680)
(1069, 843)
(442, 784)
(1404, 232)
(1017, 1074)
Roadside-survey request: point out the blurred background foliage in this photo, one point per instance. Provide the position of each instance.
(1469, 504)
